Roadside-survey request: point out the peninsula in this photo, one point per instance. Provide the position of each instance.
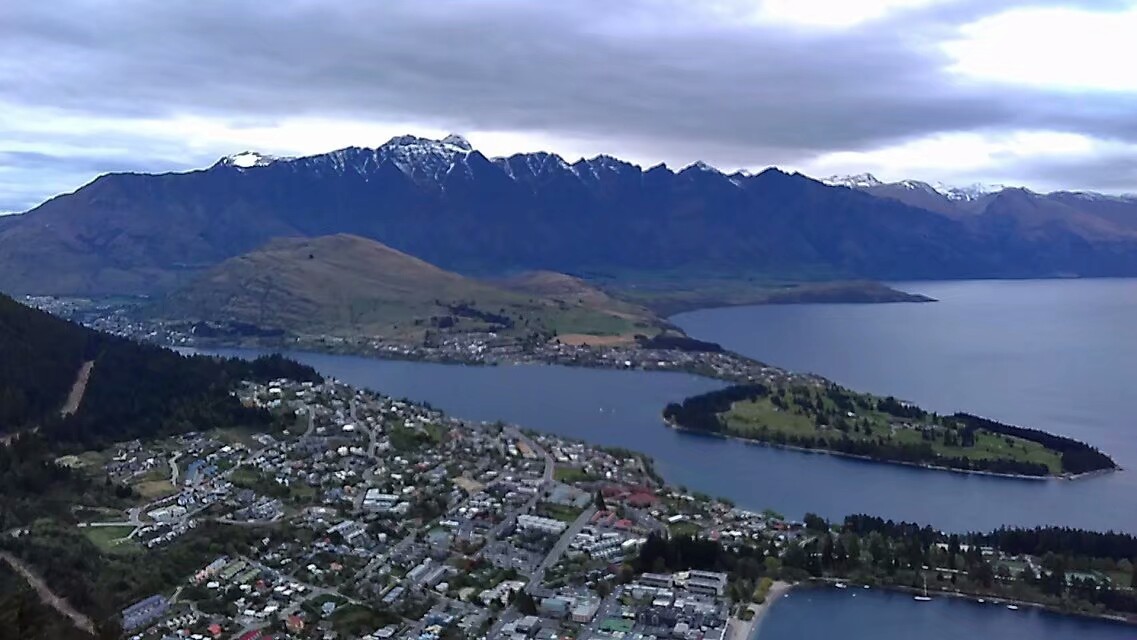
(831, 418)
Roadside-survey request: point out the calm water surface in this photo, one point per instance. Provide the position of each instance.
(1061, 356)
(879, 615)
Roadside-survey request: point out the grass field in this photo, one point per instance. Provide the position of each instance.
(155, 488)
(558, 512)
(571, 474)
(753, 418)
(112, 539)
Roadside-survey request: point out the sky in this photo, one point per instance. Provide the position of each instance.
(1038, 93)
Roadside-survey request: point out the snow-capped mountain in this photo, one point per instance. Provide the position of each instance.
(858, 181)
(967, 193)
(247, 160)
(868, 181)
(445, 202)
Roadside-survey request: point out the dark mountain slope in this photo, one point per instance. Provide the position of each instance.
(134, 390)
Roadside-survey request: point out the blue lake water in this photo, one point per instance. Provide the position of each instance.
(856, 614)
(1058, 355)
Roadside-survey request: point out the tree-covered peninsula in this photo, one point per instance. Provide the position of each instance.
(832, 418)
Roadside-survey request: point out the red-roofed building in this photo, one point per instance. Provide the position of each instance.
(214, 630)
(294, 624)
(642, 500)
(255, 634)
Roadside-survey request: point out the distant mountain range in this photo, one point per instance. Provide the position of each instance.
(446, 203)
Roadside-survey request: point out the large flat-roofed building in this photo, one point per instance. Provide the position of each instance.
(548, 525)
(709, 582)
(144, 612)
(659, 580)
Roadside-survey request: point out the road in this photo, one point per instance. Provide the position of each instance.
(75, 396)
(48, 597)
(559, 548)
(173, 462)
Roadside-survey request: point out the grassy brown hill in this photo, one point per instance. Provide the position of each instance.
(346, 285)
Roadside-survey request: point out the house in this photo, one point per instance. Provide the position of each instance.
(294, 624)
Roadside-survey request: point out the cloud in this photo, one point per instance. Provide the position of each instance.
(738, 83)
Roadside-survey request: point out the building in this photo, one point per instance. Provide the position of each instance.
(167, 514)
(144, 612)
(529, 625)
(708, 582)
(555, 607)
(585, 611)
(547, 525)
(658, 580)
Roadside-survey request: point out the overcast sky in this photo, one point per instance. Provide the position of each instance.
(1041, 93)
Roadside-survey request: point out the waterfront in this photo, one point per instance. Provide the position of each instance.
(622, 408)
(858, 614)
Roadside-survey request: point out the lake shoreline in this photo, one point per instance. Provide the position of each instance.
(916, 465)
(818, 583)
(689, 370)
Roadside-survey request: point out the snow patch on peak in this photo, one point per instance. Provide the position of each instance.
(247, 159)
(917, 185)
(455, 140)
(967, 193)
(699, 165)
(858, 181)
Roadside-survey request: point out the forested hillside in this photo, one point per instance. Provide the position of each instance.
(134, 390)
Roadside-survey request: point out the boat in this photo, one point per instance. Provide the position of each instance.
(1013, 607)
(981, 601)
(923, 598)
(841, 585)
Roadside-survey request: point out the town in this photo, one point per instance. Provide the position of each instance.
(390, 519)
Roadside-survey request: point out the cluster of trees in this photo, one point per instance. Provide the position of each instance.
(1062, 549)
(1077, 457)
(701, 412)
(680, 343)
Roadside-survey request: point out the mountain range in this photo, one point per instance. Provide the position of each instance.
(448, 204)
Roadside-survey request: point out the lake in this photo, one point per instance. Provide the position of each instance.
(857, 614)
(1057, 355)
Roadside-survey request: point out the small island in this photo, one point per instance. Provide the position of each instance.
(834, 419)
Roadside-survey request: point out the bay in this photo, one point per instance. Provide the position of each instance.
(1058, 355)
(857, 614)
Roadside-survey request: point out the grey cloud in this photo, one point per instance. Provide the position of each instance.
(645, 76)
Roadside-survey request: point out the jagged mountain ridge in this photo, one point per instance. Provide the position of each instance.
(447, 203)
(1086, 213)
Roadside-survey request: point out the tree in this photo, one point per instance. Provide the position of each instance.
(525, 603)
(600, 504)
(814, 522)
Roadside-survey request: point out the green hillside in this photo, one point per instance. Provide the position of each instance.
(345, 285)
